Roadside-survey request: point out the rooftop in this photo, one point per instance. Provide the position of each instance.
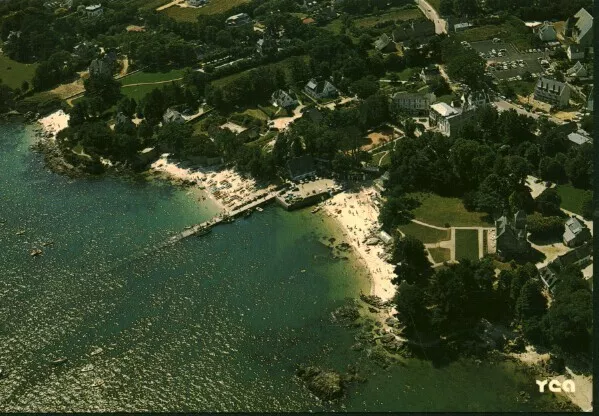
(444, 109)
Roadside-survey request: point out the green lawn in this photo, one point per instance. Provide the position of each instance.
(440, 254)
(425, 234)
(391, 15)
(13, 73)
(512, 30)
(190, 14)
(335, 26)
(137, 92)
(571, 198)
(466, 244)
(142, 76)
(438, 210)
(229, 78)
(524, 88)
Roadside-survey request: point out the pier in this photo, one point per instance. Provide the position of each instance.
(220, 219)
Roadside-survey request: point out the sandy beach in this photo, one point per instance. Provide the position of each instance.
(54, 123)
(226, 187)
(358, 217)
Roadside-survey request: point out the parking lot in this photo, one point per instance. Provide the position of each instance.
(506, 62)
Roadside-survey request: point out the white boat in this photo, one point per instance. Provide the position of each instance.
(259, 209)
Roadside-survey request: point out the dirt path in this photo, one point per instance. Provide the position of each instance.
(166, 6)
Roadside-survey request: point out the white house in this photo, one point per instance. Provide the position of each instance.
(320, 89)
(449, 119)
(94, 10)
(413, 103)
(237, 20)
(282, 99)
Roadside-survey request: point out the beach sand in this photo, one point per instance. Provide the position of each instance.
(358, 216)
(54, 123)
(226, 187)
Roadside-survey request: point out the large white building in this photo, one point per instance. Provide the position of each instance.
(413, 103)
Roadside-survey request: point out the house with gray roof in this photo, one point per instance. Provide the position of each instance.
(546, 32)
(172, 116)
(580, 28)
(580, 257)
(413, 103)
(320, 89)
(104, 66)
(450, 119)
(577, 71)
(511, 236)
(579, 137)
(237, 20)
(282, 99)
(576, 232)
(384, 44)
(552, 92)
(429, 74)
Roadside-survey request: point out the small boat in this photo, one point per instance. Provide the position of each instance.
(259, 209)
(48, 243)
(21, 232)
(35, 252)
(59, 361)
(189, 227)
(315, 210)
(86, 368)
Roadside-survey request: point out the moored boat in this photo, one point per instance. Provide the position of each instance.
(35, 252)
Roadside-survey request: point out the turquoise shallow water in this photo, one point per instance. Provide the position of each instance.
(213, 323)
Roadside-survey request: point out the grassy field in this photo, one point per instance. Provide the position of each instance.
(425, 234)
(466, 244)
(391, 15)
(190, 14)
(335, 26)
(141, 77)
(229, 78)
(137, 92)
(13, 73)
(440, 254)
(571, 198)
(512, 30)
(438, 210)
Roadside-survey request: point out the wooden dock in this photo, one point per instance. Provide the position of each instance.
(220, 219)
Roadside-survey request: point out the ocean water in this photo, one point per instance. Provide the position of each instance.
(213, 323)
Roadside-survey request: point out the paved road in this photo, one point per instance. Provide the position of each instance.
(503, 105)
(431, 14)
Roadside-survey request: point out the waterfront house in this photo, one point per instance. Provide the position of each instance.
(552, 92)
(237, 20)
(320, 89)
(576, 232)
(416, 103)
(511, 236)
(301, 167)
(173, 116)
(282, 99)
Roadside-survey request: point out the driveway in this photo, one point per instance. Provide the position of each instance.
(431, 14)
